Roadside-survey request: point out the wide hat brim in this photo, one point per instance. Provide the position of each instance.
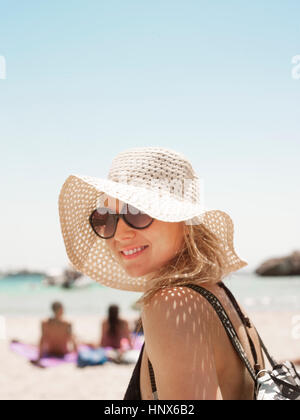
(90, 255)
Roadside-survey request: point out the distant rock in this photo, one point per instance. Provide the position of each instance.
(54, 277)
(284, 266)
(67, 278)
(70, 278)
(21, 272)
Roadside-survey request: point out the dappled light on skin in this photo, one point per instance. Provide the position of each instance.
(189, 349)
(182, 323)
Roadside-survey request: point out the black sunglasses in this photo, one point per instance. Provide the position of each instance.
(104, 223)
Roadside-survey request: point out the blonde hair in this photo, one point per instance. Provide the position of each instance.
(201, 260)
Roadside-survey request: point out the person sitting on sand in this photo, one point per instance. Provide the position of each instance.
(114, 330)
(57, 338)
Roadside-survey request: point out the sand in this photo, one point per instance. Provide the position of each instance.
(21, 381)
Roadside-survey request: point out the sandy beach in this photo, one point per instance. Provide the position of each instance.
(21, 381)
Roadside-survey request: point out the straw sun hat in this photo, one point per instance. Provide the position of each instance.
(158, 182)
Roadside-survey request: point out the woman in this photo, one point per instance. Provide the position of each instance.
(114, 330)
(144, 229)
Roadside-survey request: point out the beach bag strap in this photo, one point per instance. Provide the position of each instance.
(211, 298)
(229, 328)
(272, 361)
(247, 324)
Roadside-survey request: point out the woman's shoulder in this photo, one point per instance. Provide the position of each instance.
(183, 296)
(178, 308)
(178, 325)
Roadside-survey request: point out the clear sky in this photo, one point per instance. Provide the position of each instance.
(88, 79)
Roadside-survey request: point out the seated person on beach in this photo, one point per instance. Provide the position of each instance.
(114, 330)
(57, 338)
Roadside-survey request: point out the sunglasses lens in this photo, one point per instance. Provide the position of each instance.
(136, 218)
(103, 223)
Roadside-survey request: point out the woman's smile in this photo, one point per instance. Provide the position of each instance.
(134, 252)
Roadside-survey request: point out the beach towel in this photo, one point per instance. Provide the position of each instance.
(93, 357)
(30, 353)
(125, 355)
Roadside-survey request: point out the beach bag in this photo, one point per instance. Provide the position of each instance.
(281, 382)
(91, 357)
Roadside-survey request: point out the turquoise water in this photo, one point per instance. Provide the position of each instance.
(28, 295)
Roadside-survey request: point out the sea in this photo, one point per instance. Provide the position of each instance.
(29, 295)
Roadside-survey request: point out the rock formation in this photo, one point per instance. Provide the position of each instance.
(284, 266)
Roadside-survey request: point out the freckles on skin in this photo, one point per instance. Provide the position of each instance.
(163, 241)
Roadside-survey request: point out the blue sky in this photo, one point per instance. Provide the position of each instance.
(88, 79)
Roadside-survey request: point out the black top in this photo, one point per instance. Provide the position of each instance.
(133, 391)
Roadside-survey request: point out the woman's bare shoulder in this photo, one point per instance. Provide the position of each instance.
(177, 297)
(178, 309)
(178, 327)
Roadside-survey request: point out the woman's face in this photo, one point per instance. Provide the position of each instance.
(158, 244)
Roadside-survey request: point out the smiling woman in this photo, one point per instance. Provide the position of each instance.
(143, 251)
(159, 240)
